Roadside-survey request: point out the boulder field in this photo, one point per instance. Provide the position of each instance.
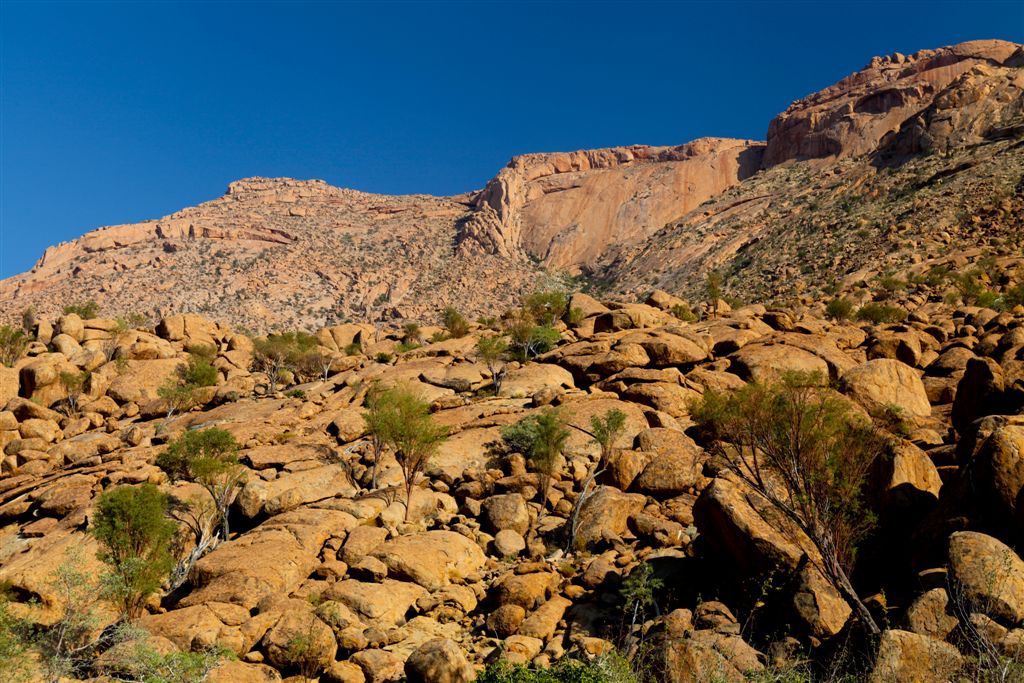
(485, 569)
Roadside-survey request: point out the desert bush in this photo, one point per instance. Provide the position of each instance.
(74, 384)
(199, 372)
(411, 333)
(546, 306)
(806, 453)
(454, 322)
(85, 310)
(15, 662)
(606, 430)
(384, 358)
(380, 417)
(178, 395)
(540, 438)
(839, 309)
(13, 343)
(878, 313)
(713, 289)
(683, 312)
(607, 668)
(283, 351)
(413, 435)
(1014, 296)
(133, 529)
(209, 457)
(492, 351)
(353, 349)
(527, 339)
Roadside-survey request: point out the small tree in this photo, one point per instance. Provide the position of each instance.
(492, 352)
(713, 288)
(15, 660)
(74, 384)
(283, 351)
(201, 519)
(806, 453)
(839, 309)
(454, 322)
(413, 435)
(178, 395)
(606, 431)
(529, 340)
(208, 457)
(547, 307)
(13, 342)
(135, 533)
(381, 416)
(541, 438)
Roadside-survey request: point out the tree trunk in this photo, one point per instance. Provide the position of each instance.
(859, 608)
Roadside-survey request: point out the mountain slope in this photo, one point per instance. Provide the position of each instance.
(896, 164)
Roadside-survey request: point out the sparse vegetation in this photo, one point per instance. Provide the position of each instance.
(276, 353)
(878, 313)
(86, 310)
(808, 455)
(839, 309)
(492, 351)
(13, 342)
(606, 430)
(455, 323)
(540, 438)
(135, 533)
(209, 457)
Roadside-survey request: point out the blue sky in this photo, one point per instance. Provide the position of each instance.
(118, 112)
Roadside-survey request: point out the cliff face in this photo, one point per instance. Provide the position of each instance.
(567, 209)
(818, 202)
(933, 100)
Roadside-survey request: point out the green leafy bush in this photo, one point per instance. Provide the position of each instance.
(807, 453)
(839, 309)
(881, 313)
(384, 358)
(546, 307)
(541, 438)
(209, 457)
(283, 351)
(134, 532)
(86, 310)
(610, 668)
(13, 342)
(683, 312)
(454, 322)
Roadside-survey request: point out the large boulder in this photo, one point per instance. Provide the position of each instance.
(768, 362)
(385, 604)
(605, 514)
(297, 625)
(507, 512)
(438, 661)
(998, 471)
(431, 559)
(987, 576)
(914, 658)
(979, 393)
(883, 384)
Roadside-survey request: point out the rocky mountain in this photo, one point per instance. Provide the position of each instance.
(852, 183)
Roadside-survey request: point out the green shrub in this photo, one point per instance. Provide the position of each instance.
(454, 322)
(283, 351)
(606, 431)
(353, 349)
(384, 358)
(808, 454)
(209, 457)
(1014, 296)
(13, 342)
(399, 418)
(86, 310)
(199, 372)
(492, 351)
(609, 668)
(839, 309)
(546, 307)
(683, 312)
(295, 393)
(404, 346)
(881, 313)
(541, 438)
(134, 532)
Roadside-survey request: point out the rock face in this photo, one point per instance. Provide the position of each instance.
(567, 209)
(931, 100)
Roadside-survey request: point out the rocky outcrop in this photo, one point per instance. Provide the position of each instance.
(932, 100)
(567, 209)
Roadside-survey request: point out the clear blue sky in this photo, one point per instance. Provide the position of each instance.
(118, 112)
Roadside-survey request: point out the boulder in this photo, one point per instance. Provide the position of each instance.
(507, 511)
(929, 615)
(438, 661)
(385, 604)
(916, 658)
(882, 384)
(431, 559)
(605, 514)
(987, 576)
(998, 472)
(760, 362)
(318, 643)
(978, 393)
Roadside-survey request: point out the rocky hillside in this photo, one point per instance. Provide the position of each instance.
(486, 566)
(853, 182)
